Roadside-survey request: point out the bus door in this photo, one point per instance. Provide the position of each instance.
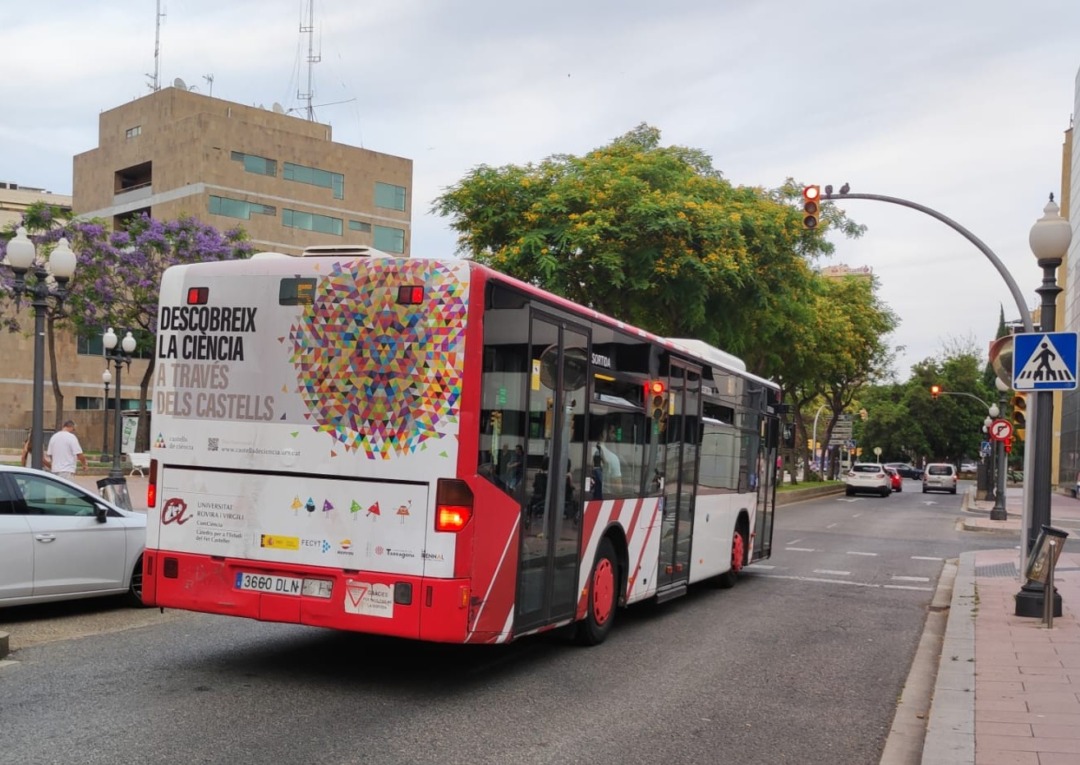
(552, 503)
(766, 488)
(680, 437)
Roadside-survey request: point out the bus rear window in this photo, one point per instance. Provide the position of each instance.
(296, 291)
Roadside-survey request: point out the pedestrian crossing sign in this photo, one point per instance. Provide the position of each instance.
(1044, 361)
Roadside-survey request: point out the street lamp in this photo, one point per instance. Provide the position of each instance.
(50, 278)
(119, 357)
(106, 377)
(1049, 240)
(998, 512)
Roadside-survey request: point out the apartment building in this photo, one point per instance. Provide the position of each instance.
(280, 177)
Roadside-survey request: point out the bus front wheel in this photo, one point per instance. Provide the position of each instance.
(738, 557)
(603, 596)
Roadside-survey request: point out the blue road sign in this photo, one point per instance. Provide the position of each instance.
(1044, 361)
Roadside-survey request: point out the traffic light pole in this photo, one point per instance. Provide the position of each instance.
(1035, 417)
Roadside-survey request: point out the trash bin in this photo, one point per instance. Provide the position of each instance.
(1039, 564)
(115, 490)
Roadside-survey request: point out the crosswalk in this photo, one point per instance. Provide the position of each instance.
(913, 580)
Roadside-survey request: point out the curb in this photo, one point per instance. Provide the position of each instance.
(798, 495)
(5, 644)
(950, 732)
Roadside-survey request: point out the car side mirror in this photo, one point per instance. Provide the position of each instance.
(101, 513)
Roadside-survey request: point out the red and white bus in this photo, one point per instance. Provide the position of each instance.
(432, 450)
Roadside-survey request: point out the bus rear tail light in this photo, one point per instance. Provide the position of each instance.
(151, 486)
(198, 295)
(453, 505)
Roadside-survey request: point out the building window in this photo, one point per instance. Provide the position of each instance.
(311, 222)
(389, 239)
(90, 346)
(134, 177)
(389, 196)
(256, 164)
(356, 225)
(237, 208)
(316, 177)
(131, 132)
(89, 402)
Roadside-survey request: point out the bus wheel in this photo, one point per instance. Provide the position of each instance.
(738, 555)
(603, 584)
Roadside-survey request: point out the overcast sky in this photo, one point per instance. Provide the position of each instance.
(959, 105)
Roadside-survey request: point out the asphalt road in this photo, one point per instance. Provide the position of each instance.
(802, 662)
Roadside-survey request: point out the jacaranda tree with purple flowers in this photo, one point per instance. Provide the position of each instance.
(117, 279)
(119, 276)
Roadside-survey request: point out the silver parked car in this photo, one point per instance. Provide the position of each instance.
(939, 476)
(58, 541)
(868, 477)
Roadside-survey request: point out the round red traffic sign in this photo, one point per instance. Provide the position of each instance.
(1001, 430)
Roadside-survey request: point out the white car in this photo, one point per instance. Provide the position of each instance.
(59, 542)
(939, 476)
(868, 477)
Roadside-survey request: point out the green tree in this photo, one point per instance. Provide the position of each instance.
(652, 235)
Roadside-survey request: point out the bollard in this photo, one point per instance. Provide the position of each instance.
(1048, 602)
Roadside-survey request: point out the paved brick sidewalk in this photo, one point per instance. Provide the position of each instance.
(1008, 688)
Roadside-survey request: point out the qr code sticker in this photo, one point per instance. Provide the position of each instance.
(212, 444)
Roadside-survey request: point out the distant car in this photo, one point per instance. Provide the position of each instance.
(867, 477)
(969, 467)
(60, 542)
(895, 479)
(905, 470)
(939, 476)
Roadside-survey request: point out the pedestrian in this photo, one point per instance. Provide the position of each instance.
(64, 449)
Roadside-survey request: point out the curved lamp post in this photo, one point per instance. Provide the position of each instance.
(51, 276)
(1049, 239)
(119, 357)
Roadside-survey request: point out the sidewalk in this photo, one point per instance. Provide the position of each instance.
(1008, 688)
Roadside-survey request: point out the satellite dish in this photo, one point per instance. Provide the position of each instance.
(278, 108)
(178, 83)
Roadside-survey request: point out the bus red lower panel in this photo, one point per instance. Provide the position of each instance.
(359, 601)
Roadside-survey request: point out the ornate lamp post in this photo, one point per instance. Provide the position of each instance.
(50, 278)
(119, 357)
(106, 377)
(1049, 240)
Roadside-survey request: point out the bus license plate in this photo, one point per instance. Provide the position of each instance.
(280, 585)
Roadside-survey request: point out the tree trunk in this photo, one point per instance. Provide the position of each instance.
(142, 443)
(58, 395)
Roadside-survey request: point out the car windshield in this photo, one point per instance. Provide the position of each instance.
(939, 470)
(866, 469)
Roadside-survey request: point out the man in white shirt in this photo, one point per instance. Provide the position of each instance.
(64, 449)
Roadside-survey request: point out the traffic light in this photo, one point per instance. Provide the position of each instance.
(654, 394)
(1019, 415)
(811, 206)
(935, 391)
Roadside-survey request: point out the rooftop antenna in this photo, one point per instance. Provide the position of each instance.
(210, 80)
(155, 81)
(312, 59)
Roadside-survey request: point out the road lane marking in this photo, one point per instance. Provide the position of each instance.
(911, 579)
(856, 515)
(852, 552)
(831, 525)
(925, 557)
(828, 572)
(840, 581)
(763, 566)
(799, 549)
(794, 541)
